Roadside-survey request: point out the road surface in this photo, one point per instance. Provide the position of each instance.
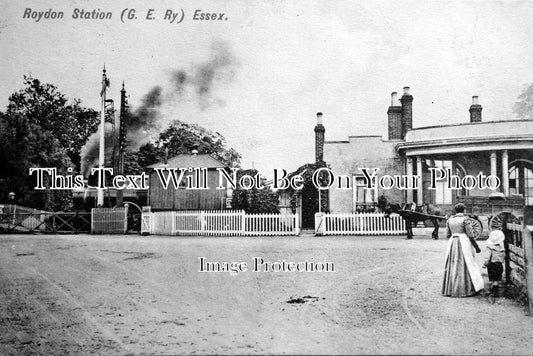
(118, 295)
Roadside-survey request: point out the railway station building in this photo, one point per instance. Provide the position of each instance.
(498, 148)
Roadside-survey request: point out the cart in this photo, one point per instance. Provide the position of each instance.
(496, 207)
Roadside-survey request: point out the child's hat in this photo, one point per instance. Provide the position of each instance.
(496, 237)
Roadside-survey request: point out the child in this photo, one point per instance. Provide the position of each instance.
(494, 258)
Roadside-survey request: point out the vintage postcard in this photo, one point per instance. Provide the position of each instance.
(266, 177)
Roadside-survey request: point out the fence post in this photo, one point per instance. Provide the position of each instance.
(507, 261)
(202, 222)
(92, 221)
(173, 224)
(320, 224)
(53, 218)
(527, 241)
(296, 224)
(243, 223)
(126, 207)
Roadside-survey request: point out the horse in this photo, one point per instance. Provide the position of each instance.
(433, 210)
(411, 213)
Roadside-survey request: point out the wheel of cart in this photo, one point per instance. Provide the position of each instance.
(474, 225)
(496, 221)
(496, 207)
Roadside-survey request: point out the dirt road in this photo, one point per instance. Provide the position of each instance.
(144, 295)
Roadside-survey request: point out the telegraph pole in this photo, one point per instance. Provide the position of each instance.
(101, 158)
(122, 139)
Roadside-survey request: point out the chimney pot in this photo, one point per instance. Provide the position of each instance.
(394, 114)
(319, 118)
(475, 110)
(394, 99)
(319, 138)
(407, 110)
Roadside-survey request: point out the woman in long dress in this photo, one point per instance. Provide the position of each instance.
(462, 277)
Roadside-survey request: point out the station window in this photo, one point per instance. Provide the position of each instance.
(363, 197)
(521, 181)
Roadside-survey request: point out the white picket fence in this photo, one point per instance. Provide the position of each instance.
(271, 224)
(359, 224)
(218, 223)
(238, 223)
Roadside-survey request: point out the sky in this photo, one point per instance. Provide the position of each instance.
(271, 65)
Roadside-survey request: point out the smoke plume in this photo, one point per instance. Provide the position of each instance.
(90, 151)
(203, 77)
(196, 84)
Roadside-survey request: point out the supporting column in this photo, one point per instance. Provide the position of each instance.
(420, 191)
(505, 172)
(521, 181)
(409, 172)
(493, 164)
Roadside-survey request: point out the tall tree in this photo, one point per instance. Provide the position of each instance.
(43, 105)
(40, 128)
(523, 108)
(182, 138)
(24, 145)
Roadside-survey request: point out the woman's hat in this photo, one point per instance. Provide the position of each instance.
(459, 207)
(496, 238)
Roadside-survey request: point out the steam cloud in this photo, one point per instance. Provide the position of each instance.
(90, 151)
(196, 84)
(203, 77)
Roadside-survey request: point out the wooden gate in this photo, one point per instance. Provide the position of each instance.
(146, 220)
(19, 219)
(109, 220)
(519, 255)
(519, 258)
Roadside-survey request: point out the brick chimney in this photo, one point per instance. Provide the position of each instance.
(319, 138)
(407, 111)
(475, 110)
(395, 118)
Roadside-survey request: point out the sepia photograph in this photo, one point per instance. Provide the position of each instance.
(266, 177)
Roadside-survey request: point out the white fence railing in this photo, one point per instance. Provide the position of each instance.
(359, 224)
(238, 223)
(271, 224)
(218, 223)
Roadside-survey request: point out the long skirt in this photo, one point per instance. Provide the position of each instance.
(462, 277)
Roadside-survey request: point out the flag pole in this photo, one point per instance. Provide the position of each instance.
(101, 157)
